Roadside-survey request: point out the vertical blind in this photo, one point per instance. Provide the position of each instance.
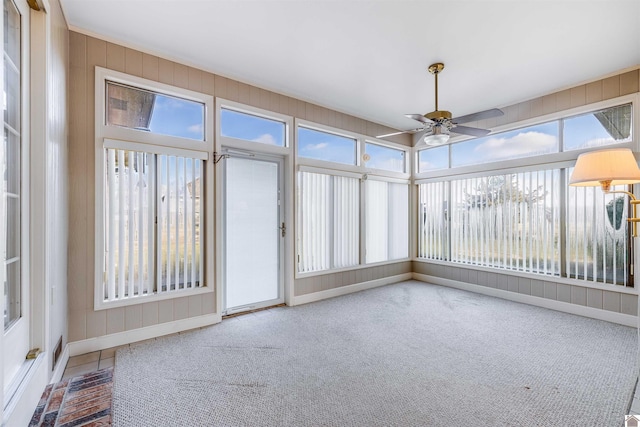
(329, 221)
(521, 221)
(387, 220)
(152, 223)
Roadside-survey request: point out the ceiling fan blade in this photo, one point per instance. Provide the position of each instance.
(391, 134)
(398, 133)
(419, 117)
(466, 130)
(494, 112)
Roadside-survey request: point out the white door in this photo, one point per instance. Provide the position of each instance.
(14, 219)
(254, 233)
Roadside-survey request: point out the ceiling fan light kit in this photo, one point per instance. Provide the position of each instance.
(439, 124)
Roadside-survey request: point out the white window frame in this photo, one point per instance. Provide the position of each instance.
(562, 159)
(359, 170)
(247, 145)
(125, 138)
(364, 218)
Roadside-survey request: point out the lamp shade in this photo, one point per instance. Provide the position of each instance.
(615, 166)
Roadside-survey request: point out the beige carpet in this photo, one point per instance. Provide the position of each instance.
(409, 354)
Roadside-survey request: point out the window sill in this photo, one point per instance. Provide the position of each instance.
(104, 305)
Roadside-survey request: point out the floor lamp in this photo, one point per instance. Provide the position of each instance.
(608, 168)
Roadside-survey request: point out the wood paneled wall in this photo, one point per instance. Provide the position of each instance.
(87, 52)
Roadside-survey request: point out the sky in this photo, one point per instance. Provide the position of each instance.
(579, 132)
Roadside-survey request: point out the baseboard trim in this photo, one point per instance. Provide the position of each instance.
(127, 337)
(594, 313)
(349, 289)
(58, 372)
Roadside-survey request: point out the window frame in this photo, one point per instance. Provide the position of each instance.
(360, 170)
(125, 138)
(244, 144)
(561, 159)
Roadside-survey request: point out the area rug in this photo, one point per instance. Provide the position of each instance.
(409, 354)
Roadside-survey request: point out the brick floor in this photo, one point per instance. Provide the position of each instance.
(84, 400)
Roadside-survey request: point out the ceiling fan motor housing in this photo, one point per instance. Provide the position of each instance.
(438, 115)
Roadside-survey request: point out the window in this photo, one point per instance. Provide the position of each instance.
(329, 221)
(314, 144)
(387, 220)
(385, 158)
(154, 112)
(603, 127)
(250, 127)
(530, 141)
(433, 159)
(153, 226)
(528, 219)
(151, 202)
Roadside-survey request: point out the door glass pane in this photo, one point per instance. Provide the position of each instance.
(252, 233)
(10, 164)
(11, 293)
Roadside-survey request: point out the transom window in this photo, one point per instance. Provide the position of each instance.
(315, 144)
(155, 112)
(385, 158)
(250, 127)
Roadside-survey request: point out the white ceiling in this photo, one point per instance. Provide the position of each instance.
(369, 58)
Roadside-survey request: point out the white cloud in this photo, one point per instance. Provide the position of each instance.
(313, 147)
(266, 139)
(522, 144)
(195, 128)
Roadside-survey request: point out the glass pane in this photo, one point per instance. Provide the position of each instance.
(252, 221)
(385, 158)
(433, 159)
(433, 227)
(377, 217)
(531, 141)
(179, 214)
(398, 221)
(346, 221)
(597, 243)
(12, 33)
(12, 165)
(314, 220)
(507, 221)
(604, 127)
(251, 128)
(154, 112)
(13, 227)
(12, 97)
(314, 144)
(12, 304)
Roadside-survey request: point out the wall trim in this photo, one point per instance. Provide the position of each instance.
(58, 371)
(349, 289)
(580, 310)
(127, 337)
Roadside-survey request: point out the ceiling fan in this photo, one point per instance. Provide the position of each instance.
(438, 124)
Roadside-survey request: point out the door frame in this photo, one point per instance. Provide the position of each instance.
(286, 153)
(260, 157)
